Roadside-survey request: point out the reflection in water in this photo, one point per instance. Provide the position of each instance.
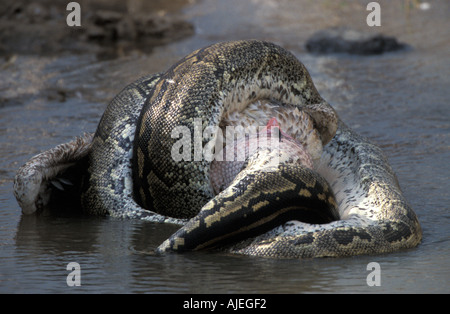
(399, 100)
(117, 255)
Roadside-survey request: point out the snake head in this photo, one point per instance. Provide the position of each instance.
(325, 120)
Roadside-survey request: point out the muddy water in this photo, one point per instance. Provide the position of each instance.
(399, 100)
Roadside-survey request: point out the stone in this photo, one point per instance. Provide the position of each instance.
(345, 40)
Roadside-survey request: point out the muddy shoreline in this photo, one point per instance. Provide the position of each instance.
(107, 30)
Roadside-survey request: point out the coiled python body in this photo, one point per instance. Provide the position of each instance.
(351, 185)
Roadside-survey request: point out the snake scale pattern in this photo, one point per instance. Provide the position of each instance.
(340, 198)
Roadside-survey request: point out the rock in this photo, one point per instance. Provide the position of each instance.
(344, 40)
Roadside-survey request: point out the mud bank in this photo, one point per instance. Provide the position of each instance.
(108, 29)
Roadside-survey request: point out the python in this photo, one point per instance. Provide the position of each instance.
(348, 203)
